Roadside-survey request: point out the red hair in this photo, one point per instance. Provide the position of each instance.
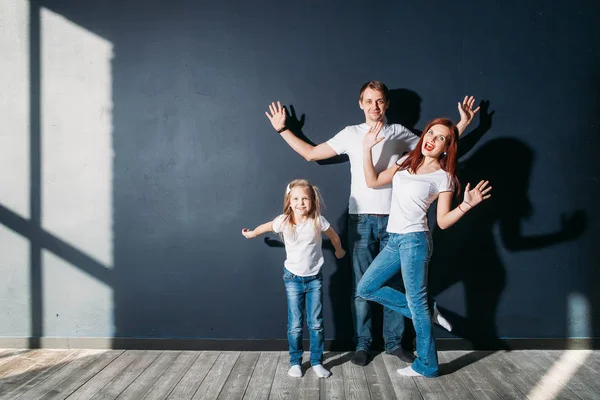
(448, 160)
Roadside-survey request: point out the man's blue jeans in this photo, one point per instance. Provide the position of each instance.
(367, 237)
(304, 293)
(408, 254)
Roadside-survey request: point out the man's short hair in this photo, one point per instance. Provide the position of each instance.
(374, 85)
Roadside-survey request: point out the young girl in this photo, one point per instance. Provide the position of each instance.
(427, 173)
(300, 227)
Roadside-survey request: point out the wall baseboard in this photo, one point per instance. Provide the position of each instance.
(273, 344)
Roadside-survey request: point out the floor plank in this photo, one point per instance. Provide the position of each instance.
(259, 386)
(20, 364)
(106, 375)
(464, 363)
(48, 362)
(138, 388)
(76, 380)
(333, 387)
(569, 369)
(310, 385)
(9, 355)
(217, 376)
(378, 379)
(530, 377)
(284, 386)
(355, 382)
(238, 380)
(64, 371)
(454, 387)
(187, 386)
(127, 376)
(430, 388)
(167, 382)
(494, 368)
(100, 374)
(404, 387)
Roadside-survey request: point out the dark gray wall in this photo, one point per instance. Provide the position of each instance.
(196, 159)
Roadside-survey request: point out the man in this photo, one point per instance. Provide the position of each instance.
(368, 208)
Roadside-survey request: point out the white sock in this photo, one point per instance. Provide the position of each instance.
(321, 371)
(408, 371)
(441, 320)
(295, 371)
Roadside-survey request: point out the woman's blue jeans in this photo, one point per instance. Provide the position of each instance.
(408, 254)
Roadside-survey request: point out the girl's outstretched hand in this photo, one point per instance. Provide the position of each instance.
(477, 194)
(248, 233)
(276, 115)
(371, 138)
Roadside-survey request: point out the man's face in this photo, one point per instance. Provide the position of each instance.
(373, 104)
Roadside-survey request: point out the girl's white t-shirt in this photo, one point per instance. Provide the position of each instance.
(411, 197)
(304, 254)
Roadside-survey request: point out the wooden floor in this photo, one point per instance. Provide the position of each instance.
(112, 374)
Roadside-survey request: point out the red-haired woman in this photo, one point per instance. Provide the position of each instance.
(427, 173)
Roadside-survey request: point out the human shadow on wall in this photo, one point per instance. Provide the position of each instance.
(404, 109)
(469, 251)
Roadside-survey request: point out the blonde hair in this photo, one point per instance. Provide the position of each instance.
(289, 223)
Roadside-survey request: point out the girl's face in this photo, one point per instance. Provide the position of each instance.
(300, 202)
(435, 141)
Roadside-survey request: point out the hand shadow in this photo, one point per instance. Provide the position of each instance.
(296, 124)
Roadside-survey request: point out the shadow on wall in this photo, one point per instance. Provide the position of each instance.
(469, 253)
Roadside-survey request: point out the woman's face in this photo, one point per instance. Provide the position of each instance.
(435, 141)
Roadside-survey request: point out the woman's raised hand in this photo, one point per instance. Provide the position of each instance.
(477, 194)
(371, 138)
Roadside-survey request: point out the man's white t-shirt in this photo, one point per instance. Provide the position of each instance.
(304, 254)
(411, 197)
(398, 140)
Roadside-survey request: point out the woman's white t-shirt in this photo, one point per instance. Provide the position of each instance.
(411, 197)
(304, 254)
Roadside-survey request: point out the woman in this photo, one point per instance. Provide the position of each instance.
(427, 173)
